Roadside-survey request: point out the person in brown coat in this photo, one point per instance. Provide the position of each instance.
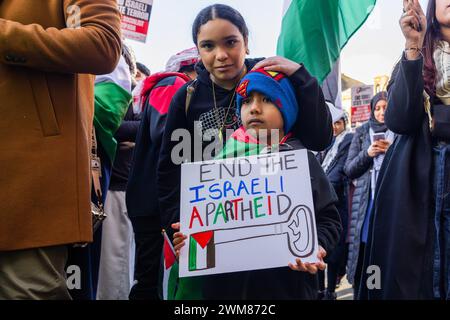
(48, 53)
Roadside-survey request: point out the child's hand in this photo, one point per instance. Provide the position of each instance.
(312, 268)
(178, 239)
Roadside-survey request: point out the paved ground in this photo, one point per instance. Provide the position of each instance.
(345, 290)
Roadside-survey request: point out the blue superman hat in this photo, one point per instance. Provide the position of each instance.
(274, 85)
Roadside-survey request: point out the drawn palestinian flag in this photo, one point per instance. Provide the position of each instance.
(201, 251)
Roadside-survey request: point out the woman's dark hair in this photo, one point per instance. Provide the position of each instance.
(219, 11)
(431, 37)
(143, 68)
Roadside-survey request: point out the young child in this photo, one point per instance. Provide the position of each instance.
(267, 105)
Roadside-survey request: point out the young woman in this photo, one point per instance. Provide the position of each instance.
(410, 229)
(208, 111)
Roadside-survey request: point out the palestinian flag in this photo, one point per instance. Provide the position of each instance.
(175, 288)
(170, 272)
(112, 99)
(313, 32)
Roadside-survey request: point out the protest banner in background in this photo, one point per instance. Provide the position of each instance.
(247, 213)
(361, 97)
(135, 18)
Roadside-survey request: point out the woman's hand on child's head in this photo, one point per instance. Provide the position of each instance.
(311, 268)
(278, 64)
(178, 239)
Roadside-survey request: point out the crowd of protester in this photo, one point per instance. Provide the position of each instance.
(91, 131)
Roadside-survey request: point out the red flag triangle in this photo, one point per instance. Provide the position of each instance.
(203, 238)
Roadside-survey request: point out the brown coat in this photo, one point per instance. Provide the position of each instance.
(46, 113)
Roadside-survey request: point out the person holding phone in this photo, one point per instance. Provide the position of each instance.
(369, 145)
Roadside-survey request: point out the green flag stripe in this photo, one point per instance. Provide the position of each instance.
(192, 254)
(173, 282)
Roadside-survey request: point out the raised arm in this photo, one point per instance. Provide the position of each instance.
(314, 125)
(405, 111)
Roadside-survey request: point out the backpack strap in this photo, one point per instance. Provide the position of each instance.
(189, 93)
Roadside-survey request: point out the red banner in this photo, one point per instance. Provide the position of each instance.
(360, 114)
(135, 18)
(360, 111)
